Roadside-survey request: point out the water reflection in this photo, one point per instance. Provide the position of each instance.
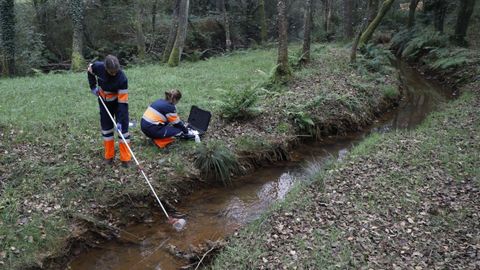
(216, 212)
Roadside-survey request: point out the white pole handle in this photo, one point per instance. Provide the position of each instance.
(134, 158)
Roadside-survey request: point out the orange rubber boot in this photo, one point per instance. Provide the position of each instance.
(125, 155)
(109, 147)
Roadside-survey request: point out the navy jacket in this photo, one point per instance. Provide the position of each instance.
(112, 88)
(162, 112)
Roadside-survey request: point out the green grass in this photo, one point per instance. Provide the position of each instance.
(49, 129)
(215, 159)
(396, 169)
(251, 143)
(52, 148)
(390, 91)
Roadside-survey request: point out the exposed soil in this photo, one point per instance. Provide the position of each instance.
(137, 204)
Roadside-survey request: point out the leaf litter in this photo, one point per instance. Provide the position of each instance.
(407, 203)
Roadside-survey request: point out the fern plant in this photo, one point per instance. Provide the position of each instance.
(240, 104)
(377, 59)
(214, 159)
(295, 59)
(302, 120)
(400, 40)
(424, 41)
(442, 59)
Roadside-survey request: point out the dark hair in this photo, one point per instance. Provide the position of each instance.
(173, 95)
(111, 63)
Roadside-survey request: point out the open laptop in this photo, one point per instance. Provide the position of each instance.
(199, 120)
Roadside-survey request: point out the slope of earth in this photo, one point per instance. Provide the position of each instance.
(407, 200)
(54, 190)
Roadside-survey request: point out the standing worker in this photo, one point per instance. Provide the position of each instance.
(108, 82)
(160, 121)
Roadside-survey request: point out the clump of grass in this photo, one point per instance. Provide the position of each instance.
(195, 56)
(251, 144)
(214, 159)
(282, 128)
(390, 91)
(240, 104)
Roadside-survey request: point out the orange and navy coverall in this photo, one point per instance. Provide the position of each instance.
(114, 91)
(160, 121)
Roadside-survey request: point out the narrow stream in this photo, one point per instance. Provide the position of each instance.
(217, 212)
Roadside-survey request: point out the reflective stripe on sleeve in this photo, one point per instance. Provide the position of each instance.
(173, 118)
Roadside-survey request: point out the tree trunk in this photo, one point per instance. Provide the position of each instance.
(283, 72)
(263, 21)
(77, 12)
(439, 15)
(411, 13)
(177, 50)
(327, 15)
(353, 54)
(348, 18)
(307, 29)
(386, 5)
(173, 31)
(41, 19)
(7, 21)
(463, 20)
(226, 25)
(154, 15)
(139, 35)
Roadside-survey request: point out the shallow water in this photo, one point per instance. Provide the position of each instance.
(217, 212)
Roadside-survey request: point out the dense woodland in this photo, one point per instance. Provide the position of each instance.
(45, 35)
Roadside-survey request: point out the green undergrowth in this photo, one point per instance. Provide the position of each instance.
(51, 147)
(214, 159)
(342, 96)
(240, 104)
(436, 52)
(387, 178)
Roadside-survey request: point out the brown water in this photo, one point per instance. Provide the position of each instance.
(217, 212)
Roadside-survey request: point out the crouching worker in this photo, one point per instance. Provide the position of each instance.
(160, 121)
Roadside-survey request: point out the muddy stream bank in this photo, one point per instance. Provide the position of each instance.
(216, 212)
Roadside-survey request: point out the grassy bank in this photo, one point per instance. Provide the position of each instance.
(407, 200)
(53, 183)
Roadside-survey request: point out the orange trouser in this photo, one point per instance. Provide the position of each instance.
(124, 153)
(163, 142)
(109, 147)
